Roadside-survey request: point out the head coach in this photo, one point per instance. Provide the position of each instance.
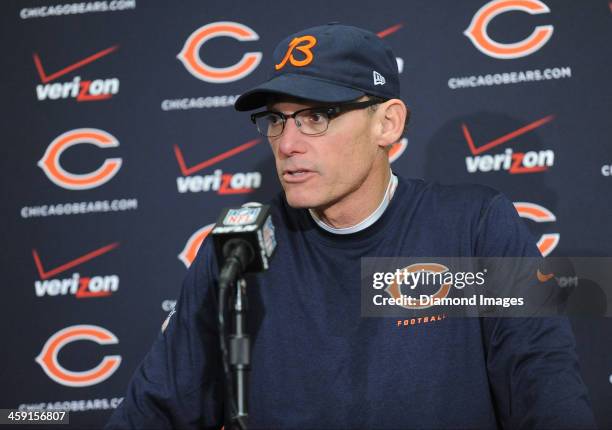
(331, 110)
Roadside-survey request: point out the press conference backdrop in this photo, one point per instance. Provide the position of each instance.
(121, 145)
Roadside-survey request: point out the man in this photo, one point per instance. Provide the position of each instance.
(331, 110)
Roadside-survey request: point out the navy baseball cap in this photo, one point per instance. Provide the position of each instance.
(331, 63)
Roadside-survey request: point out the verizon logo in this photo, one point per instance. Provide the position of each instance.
(76, 285)
(78, 88)
(513, 162)
(80, 287)
(220, 182)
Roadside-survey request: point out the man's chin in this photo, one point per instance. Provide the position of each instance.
(299, 204)
(300, 201)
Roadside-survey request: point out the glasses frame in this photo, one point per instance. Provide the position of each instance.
(331, 112)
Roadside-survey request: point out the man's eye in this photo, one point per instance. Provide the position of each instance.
(273, 119)
(316, 117)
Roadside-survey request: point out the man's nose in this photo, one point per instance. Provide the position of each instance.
(291, 141)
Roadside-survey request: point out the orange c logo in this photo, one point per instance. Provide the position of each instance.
(309, 42)
(394, 289)
(477, 31)
(190, 56)
(50, 163)
(188, 254)
(397, 149)
(549, 241)
(54, 370)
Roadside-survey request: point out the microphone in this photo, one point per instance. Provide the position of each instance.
(244, 241)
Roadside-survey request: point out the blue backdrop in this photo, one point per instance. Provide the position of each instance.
(121, 146)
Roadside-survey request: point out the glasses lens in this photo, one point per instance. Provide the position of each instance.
(312, 121)
(270, 124)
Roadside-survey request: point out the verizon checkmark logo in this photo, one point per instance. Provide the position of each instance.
(222, 183)
(509, 160)
(44, 78)
(186, 171)
(387, 31)
(79, 89)
(80, 287)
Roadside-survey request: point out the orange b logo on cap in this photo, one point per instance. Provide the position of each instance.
(307, 43)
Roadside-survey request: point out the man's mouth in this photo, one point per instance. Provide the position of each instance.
(297, 175)
(297, 172)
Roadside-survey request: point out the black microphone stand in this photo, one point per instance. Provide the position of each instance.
(236, 361)
(240, 354)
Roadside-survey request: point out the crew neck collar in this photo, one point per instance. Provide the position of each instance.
(369, 220)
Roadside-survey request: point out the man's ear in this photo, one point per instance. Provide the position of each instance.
(391, 117)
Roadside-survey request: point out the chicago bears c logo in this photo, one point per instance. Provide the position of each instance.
(549, 241)
(397, 149)
(190, 54)
(50, 163)
(188, 254)
(47, 359)
(394, 290)
(303, 44)
(477, 31)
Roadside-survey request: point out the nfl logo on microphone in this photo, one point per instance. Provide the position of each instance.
(241, 216)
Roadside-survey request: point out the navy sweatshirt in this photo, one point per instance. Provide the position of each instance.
(316, 363)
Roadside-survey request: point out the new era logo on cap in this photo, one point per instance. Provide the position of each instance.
(378, 78)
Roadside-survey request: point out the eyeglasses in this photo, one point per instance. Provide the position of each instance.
(310, 121)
